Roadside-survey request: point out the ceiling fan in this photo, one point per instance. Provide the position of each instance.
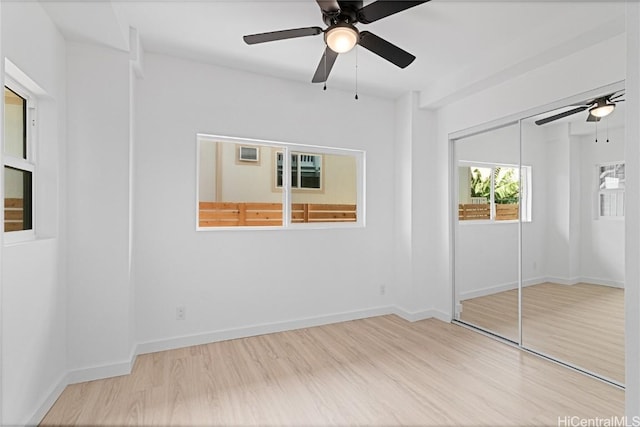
(598, 108)
(341, 34)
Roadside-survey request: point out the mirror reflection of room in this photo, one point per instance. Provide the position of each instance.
(486, 254)
(573, 251)
(558, 179)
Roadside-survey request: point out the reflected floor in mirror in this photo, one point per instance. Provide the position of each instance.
(581, 324)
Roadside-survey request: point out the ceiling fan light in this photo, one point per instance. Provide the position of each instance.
(602, 110)
(341, 38)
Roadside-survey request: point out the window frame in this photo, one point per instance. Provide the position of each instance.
(297, 188)
(524, 193)
(288, 148)
(608, 191)
(27, 164)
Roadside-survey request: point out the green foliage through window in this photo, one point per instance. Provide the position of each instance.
(507, 186)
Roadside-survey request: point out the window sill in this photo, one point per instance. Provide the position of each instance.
(15, 238)
(307, 226)
(491, 222)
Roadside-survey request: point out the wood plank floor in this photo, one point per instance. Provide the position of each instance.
(377, 371)
(582, 324)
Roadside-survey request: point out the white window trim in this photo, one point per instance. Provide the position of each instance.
(525, 194)
(599, 192)
(29, 164)
(299, 171)
(288, 148)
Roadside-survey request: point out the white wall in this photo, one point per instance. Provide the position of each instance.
(602, 240)
(99, 286)
(557, 193)
(33, 275)
(534, 150)
(229, 280)
(416, 177)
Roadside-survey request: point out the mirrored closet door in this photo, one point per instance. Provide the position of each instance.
(487, 233)
(573, 249)
(538, 229)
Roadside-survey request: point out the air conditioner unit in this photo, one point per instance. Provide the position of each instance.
(248, 153)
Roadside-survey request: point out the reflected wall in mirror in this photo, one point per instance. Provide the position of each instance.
(487, 234)
(573, 250)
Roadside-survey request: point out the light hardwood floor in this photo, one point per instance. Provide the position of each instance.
(377, 371)
(582, 324)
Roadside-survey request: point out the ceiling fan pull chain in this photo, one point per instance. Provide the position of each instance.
(596, 131)
(356, 49)
(325, 71)
(607, 131)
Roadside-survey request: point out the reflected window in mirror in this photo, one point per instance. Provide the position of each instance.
(490, 192)
(611, 183)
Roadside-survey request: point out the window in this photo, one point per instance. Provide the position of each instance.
(299, 186)
(611, 184)
(494, 192)
(306, 171)
(18, 165)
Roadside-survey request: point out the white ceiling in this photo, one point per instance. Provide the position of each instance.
(457, 43)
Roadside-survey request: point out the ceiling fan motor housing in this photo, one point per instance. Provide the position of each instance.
(348, 13)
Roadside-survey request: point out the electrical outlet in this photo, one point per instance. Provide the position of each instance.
(181, 312)
(383, 289)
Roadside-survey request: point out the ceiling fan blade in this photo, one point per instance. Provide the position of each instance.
(592, 118)
(324, 67)
(383, 8)
(561, 115)
(330, 7)
(282, 35)
(616, 97)
(386, 50)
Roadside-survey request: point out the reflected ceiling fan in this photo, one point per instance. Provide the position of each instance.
(341, 34)
(598, 108)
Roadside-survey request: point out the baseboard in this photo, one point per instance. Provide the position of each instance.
(588, 280)
(266, 328)
(53, 395)
(414, 316)
(490, 290)
(563, 280)
(100, 372)
(602, 282)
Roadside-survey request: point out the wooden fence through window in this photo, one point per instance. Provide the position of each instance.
(504, 212)
(230, 214)
(13, 214)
